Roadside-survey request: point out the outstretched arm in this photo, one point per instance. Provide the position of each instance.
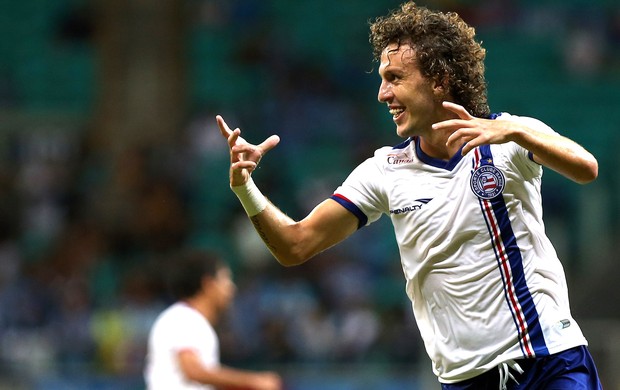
(551, 150)
(291, 242)
(226, 377)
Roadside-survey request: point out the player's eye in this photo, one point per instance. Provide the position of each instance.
(391, 77)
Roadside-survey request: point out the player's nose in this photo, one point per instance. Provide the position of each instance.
(385, 92)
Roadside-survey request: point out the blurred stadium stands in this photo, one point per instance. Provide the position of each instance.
(104, 172)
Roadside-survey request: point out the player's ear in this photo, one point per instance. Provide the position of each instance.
(440, 88)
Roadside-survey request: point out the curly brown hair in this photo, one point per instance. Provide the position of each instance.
(445, 49)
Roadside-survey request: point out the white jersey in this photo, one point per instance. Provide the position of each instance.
(177, 328)
(484, 280)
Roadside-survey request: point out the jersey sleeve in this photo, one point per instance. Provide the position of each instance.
(363, 192)
(522, 158)
(182, 332)
(185, 337)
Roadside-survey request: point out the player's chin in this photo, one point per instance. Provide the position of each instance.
(403, 128)
(403, 131)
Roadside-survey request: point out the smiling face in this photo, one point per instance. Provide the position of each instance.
(413, 100)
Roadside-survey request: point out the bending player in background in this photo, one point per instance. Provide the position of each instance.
(183, 348)
(463, 193)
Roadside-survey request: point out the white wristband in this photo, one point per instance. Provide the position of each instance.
(252, 200)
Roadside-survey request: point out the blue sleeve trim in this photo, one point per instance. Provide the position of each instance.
(347, 204)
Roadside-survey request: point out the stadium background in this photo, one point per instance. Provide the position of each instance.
(110, 161)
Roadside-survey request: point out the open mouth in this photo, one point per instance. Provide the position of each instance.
(396, 112)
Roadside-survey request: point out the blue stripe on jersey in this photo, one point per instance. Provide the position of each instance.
(515, 260)
(347, 204)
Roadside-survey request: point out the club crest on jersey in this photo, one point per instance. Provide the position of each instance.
(487, 182)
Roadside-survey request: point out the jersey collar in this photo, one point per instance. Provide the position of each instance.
(436, 162)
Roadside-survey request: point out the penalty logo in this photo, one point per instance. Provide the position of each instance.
(487, 182)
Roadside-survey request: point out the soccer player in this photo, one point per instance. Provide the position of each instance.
(463, 192)
(183, 348)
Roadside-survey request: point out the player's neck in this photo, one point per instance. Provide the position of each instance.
(435, 146)
(433, 142)
(204, 308)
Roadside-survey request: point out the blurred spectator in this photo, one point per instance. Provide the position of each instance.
(84, 235)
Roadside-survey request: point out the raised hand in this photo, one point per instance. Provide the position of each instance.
(472, 131)
(244, 156)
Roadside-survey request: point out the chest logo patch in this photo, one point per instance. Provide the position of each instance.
(487, 182)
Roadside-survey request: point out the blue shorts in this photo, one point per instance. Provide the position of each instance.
(571, 369)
